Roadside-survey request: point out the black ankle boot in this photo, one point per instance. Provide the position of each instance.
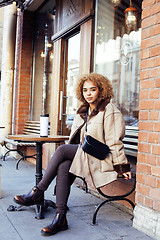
(35, 196)
(58, 224)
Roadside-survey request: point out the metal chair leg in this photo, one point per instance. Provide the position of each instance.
(114, 198)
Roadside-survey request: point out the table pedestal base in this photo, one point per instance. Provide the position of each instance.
(38, 208)
(41, 208)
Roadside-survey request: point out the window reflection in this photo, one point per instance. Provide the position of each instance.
(117, 56)
(72, 75)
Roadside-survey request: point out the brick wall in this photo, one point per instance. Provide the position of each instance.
(148, 166)
(147, 210)
(23, 69)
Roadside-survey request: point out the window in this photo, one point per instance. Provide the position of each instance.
(72, 73)
(117, 55)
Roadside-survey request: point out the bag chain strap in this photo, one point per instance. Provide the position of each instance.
(86, 127)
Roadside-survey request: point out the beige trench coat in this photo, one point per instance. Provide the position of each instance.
(106, 124)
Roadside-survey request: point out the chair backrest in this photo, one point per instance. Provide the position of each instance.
(131, 141)
(33, 127)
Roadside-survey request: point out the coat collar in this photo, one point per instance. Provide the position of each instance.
(83, 109)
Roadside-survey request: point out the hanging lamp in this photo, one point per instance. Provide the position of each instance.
(131, 15)
(115, 3)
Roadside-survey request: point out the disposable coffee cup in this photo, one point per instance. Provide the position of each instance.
(44, 121)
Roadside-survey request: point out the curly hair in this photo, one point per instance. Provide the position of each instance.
(103, 84)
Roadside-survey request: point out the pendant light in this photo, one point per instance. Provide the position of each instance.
(131, 15)
(115, 3)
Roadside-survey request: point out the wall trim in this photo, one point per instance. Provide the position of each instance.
(75, 25)
(147, 220)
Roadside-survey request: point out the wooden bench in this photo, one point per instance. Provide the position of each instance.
(131, 148)
(119, 197)
(30, 127)
(130, 141)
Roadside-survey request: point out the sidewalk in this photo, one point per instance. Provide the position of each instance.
(112, 223)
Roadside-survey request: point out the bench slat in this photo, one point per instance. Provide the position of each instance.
(130, 141)
(134, 147)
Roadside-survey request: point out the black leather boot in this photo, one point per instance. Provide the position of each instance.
(35, 196)
(58, 224)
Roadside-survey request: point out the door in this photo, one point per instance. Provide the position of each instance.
(68, 101)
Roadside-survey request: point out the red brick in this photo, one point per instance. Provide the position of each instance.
(144, 74)
(149, 42)
(146, 104)
(142, 189)
(144, 147)
(154, 73)
(143, 168)
(157, 104)
(155, 30)
(153, 115)
(141, 157)
(155, 8)
(157, 127)
(140, 178)
(146, 12)
(156, 171)
(147, 3)
(148, 126)
(157, 206)
(158, 160)
(145, 33)
(156, 149)
(158, 17)
(158, 183)
(144, 94)
(150, 181)
(143, 115)
(155, 193)
(148, 202)
(153, 137)
(139, 199)
(157, 59)
(150, 21)
(142, 136)
(155, 51)
(145, 53)
(154, 93)
(145, 84)
(24, 63)
(158, 82)
(151, 160)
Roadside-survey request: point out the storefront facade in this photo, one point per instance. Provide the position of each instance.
(58, 40)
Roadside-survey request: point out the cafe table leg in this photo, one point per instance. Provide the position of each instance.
(38, 162)
(47, 203)
(39, 208)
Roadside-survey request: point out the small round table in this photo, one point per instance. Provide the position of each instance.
(39, 142)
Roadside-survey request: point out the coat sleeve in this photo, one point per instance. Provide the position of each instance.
(75, 130)
(114, 130)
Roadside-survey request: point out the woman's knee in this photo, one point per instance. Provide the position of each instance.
(67, 150)
(63, 148)
(64, 166)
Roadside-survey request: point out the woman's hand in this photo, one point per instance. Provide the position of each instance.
(127, 175)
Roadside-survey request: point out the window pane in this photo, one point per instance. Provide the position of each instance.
(117, 55)
(73, 72)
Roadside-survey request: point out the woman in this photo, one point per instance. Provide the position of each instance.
(106, 124)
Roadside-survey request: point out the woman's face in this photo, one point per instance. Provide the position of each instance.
(90, 92)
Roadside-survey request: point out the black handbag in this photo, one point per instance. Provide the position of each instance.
(94, 147)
